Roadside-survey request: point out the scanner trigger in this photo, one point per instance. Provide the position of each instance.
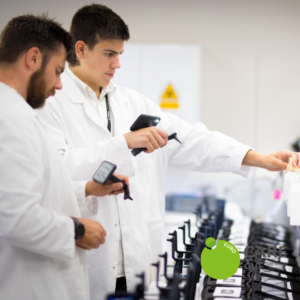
(173, 136)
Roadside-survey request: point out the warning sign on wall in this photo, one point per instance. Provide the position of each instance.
(169, 99)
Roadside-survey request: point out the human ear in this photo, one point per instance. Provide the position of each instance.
(80, 48)
(33, 59)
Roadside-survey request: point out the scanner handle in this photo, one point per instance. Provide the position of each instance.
(115, 179)
(137, 151)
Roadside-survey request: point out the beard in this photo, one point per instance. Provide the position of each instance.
(36, 91)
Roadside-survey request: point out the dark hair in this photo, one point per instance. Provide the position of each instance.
(95, 21)
(27, 31)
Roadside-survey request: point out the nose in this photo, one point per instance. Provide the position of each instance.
(116, 64)
(58, 84)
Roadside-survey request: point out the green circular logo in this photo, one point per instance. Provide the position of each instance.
(221, 261)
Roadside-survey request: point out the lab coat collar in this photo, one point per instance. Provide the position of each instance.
(109, 90)
(76, 95)
(10, 95)
(82, 87)
(71, 89)
(80, 84)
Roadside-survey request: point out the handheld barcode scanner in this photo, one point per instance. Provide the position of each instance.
(144, 121)
(105, 173)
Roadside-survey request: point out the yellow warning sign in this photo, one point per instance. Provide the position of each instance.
(169, 99)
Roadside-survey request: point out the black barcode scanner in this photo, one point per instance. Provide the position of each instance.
(105, 173)
(144, 121)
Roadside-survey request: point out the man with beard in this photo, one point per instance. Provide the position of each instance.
(42, 235)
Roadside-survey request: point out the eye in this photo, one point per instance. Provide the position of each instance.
(58, 72)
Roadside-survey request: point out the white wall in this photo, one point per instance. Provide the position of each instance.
(230, 32)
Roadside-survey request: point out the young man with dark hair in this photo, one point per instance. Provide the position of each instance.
(40, 218)
(89, 121)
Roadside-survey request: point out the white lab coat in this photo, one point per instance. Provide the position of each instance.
(84, 142)
(38, 256)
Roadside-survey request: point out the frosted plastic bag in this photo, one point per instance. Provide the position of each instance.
(291, 193)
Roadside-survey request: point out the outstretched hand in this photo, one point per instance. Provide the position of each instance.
(277, 161)
(284, 156)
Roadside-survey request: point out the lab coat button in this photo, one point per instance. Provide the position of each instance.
(116, 224)
(113, 267)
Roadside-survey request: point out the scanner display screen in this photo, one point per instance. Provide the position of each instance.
(103, 171)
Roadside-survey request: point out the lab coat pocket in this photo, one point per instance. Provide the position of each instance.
(75, 283)
(155, 229)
